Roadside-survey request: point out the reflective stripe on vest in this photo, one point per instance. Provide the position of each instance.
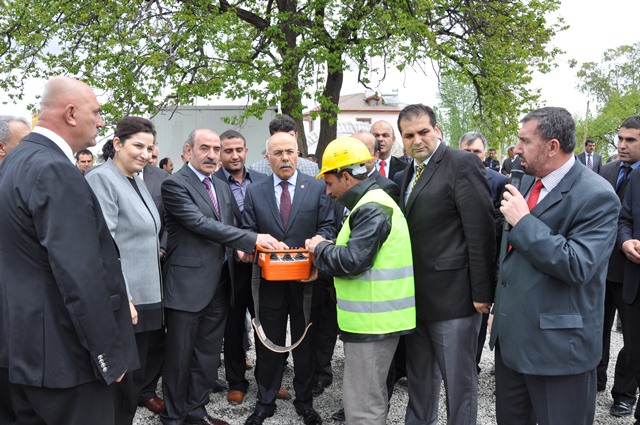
(382, 299)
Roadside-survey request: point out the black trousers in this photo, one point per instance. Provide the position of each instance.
(192, 355)
(7, 416)
(127, 391)
(90, 403)
(234, 340)
(631, 330)
(153, 368)
(624, 383)
(546, 400)
(270, 365)
(326, 333)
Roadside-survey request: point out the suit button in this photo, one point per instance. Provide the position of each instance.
(100, 357)
(104, 369)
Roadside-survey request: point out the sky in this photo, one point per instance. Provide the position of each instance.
(594, 28)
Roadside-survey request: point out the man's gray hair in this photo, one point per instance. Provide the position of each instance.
(4, 125)
(469, 137)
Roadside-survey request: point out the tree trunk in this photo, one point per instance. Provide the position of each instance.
(329, 119)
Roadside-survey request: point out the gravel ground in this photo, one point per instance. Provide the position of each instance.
(331, 399)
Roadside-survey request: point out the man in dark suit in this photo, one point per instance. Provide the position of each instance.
(588, 157)
(387, 164)
(476, 143)
(292, 207)
(628, 236)
(202, 232)
(233, 155)
(548, 313)
(508, 162)
(624, 386)
(446, 199)
(153, 178)
(67, 329)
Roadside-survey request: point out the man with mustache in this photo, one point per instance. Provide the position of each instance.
(197, 273)
(292, 207)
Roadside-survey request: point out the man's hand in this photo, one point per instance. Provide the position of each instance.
(631, 248)
(244, 257)
(482, 307)
(513, 206)
(134, 313)
(269, 242)
(313, 276)
(310, 244)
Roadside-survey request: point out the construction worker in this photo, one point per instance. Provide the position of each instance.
(373, 275)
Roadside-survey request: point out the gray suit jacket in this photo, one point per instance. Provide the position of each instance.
(549, 307)
(597, 161)
(198, 240)
(135, 228)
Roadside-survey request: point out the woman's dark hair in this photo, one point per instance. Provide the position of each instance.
(127, 127)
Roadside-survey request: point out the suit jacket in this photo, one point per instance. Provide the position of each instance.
(452, 229)
(617, 260)
(629, 228)
(549, 309)
(199, 240)
(597, 161)
(135, 228)
(153, 178)
(387, 185)
(395, 166)
(496, 183)
(311, 214)
(242, 277)
(67, 320)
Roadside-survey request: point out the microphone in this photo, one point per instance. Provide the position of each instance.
(517, 172)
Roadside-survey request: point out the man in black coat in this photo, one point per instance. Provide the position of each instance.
(67, 329)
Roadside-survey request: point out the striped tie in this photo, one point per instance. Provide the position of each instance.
(419, 170)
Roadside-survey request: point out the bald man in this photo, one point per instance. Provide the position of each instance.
(61, 284)
(386, 164)
(12, 131)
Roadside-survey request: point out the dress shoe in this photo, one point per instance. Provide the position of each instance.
(219, 386)
(339, 416)
(235, 397)
(155, 404)
(257, 418)
(319, 386)
(310, 416)
(620, 409)
(207, 420)
(283, 394)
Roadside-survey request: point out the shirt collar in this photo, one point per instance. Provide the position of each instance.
(633, 166)
(229, 177)
(552, 179)
(292, 180)
(58, 140)
(198, 173)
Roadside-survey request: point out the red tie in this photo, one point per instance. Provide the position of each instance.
(383, 173)
(534, 195)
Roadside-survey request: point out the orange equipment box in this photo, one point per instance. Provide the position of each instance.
(286, 264)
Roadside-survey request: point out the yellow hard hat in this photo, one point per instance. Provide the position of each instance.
(343, 152)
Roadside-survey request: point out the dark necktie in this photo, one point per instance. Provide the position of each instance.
(285, 202)
(207, 185)
(382, 171)
(534, 195)
(623, 180)
(419, 170)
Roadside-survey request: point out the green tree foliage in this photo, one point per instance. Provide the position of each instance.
(160, 53)
(614, 83)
